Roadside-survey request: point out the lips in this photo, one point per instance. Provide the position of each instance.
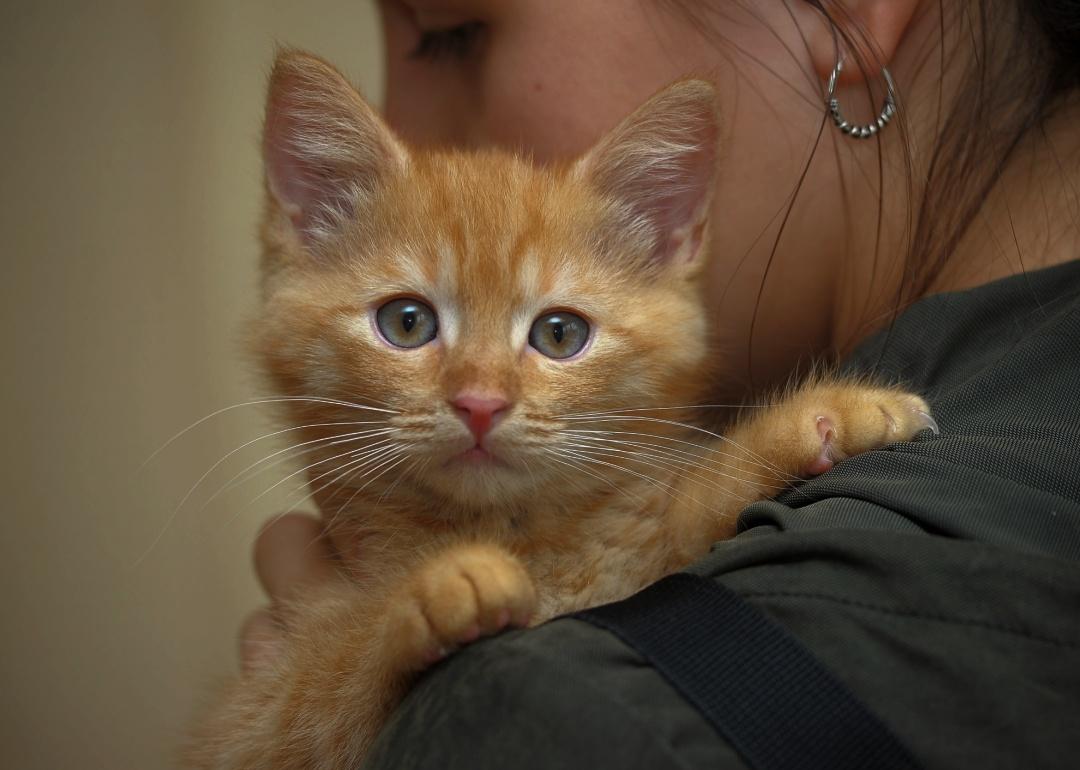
(477, 456)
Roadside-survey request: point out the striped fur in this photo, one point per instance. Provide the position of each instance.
(602, 485)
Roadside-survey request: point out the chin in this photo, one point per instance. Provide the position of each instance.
(484, 484)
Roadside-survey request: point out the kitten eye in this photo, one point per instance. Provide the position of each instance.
(407, 323)
(559, 335)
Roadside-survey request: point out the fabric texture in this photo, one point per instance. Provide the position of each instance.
(769, 686)
(939, 579)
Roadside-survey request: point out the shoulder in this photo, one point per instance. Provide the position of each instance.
(928, 576)
(1000, 368)
(563, 695)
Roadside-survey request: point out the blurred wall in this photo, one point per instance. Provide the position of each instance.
(129, 190)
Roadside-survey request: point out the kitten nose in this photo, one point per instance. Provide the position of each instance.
(480, 414)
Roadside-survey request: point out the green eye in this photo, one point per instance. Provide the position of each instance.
(407, 323)
(559, 334)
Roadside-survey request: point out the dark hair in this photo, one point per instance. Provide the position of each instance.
(1059, 21)
(1026, 56)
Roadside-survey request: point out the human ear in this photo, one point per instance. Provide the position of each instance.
(874, 27)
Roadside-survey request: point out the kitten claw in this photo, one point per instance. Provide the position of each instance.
(929, 422)
(850, 420)
(431, 657)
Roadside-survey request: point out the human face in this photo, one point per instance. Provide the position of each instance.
(548, 77)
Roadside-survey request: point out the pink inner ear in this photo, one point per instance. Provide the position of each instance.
(325, 151)
(309, 180)
(678, 208)
(660, 164)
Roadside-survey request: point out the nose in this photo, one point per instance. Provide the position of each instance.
(480, 413)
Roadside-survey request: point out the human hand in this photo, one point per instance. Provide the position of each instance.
(291, 552)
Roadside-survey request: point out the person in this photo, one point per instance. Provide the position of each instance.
(934, 581)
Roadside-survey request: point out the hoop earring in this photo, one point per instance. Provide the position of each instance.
(888, 110)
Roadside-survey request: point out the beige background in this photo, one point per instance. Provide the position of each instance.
(129, 182)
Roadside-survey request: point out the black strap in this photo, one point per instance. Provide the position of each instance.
(762, 690)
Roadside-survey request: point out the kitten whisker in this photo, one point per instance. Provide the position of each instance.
(324, 441)
(183, 501)
(293, 507)
(359, 459)
(296, 450)
(719, 437)
(377, 401)
(397, 480)
(351, 452)
(257, 402)
(670, 490)
(581, 468)
(348, 469)
(529, 470)
(678, 468)
(660, 409)
(402, 458)
(585, 434)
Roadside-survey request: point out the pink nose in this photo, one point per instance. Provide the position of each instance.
(479, 414)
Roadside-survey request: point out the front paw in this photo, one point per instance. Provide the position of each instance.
(460, 595)
(840, 421)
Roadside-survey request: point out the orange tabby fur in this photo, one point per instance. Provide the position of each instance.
(438, 550)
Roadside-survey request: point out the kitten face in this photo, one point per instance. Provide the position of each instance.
(483, 303)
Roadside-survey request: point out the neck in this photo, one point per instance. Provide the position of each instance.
(1031, 218)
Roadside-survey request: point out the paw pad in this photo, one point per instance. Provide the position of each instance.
(827, 455)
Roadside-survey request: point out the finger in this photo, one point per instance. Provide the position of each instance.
(291, 552)
(261, 641)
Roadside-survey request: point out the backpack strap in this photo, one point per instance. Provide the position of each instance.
(759, 687)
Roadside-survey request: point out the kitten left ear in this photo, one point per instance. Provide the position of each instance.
(327, 153)
(657, 166)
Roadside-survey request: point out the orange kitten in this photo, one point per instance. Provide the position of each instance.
(482, 351)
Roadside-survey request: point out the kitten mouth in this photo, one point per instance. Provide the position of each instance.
(478, 456)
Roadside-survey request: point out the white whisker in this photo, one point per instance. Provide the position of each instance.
(380, 452)
(580, 468)
(719, 437)
(672, 491)
(313, 445)
(402, 457)
(317, 463)
(179, 506)
(677, 467)
(661, 409)
(348, 469)
(397, 481)
(223, 410)
(595, 434)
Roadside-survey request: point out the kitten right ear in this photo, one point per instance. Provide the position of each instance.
(325, 150)
(658, 166)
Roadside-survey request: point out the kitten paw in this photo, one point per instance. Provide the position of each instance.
(459, 596)
(849, 420)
